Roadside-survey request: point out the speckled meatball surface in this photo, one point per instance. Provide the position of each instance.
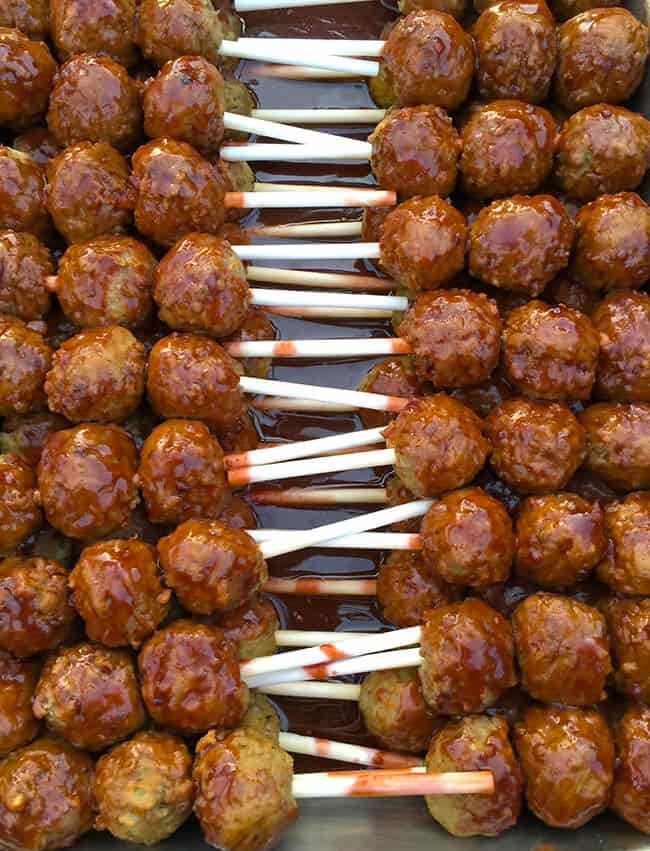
(256, 325)
(407, 587)
(563, 289)
(29, 16)
(20, 513)
(25, 358)
(484, 397)
(25, 264)
(252, 626)
(631, 791)
(22, 193)
(104, 26)
(626, 566)
(628, 622)
(618, 444)
(261, 716)
(28, 71)
(622, 321)
(168, 29)
(38, 143)
(18, 679)
(394, 376)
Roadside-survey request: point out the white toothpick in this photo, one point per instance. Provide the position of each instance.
(269, 152)
(337, 348)
(264, 50)
(326, 280)
(329, 117)
(308, 230)
(322, 198)
(314, 251)
(360, 541)
(355, 398)
(344, 752)
(314, 690)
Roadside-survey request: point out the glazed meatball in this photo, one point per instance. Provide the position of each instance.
(415, 151)
(625, 567)
(628, 622)
(560, 539)
(45, 796)
(564, 9)
(536, 447)
(256, 325)
(612, 249)
(508, 148)
(520, 243)
(550, 352)
(190, 678)
(516, 50)
(26, 80)
(457, 8)
(407, 587)
(25, 359)
(20, 514)
(564, 290)
(105, 26)
(631, 790)
(168, 29)
(476, 743)
(622, 321)
(238, 436)
(25, 264)
(562, 649)
(243, 789)
(602, 149)
(618, 444)
(601, 58)
(29, 16)
(484, 397)
(252, 628)
(393, 709)
(39, 144)
(22, 194)
(86, 480)
(394, 376)
(454, 336)
(423, 243)
(261, 717)
(372, 222)
(143, 788)
(212, 567)
(427, 59)
(567, 760)
(117, 591)
(192, 376)
(87, 191)
(18, 726)
(439, 445)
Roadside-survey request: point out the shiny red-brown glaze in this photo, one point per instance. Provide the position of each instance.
(20, 513)
(394, 376)
(631, 790)
(103, 26)
(563, 289)
(626, 566)
(25, 358)
(407, 587)
(483, 397)
(22, 193)
(167, 29)
(618, 444)
(25, 434)
(622, 321)
(31, 17)
(240, 435)
(26, 81)
(25, 264)
(252, 628)
(237, 513)
(628, 622)
(18, 679)
(38, 143)
(256, 325)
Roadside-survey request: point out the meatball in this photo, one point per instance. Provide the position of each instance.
(212, 567)
(143, 788)
(484, 397)
(238, 436)
(562, 649)
(117, 591)
(192, 376)
(393, 709)
(372, 222)
(20, 514)
(476, 743)
(602, 149)
(243, 789)
(18, 680)
(168, 29)
(190, 678)
(516, 50)
(560, 539)
(25, 359)
(256, 325)
(622, 321)
(105, 26)
(612, 249)
(550, 352)
(86, 480)
(239, 99)
(22, 194)
(428, 58)
(87, 191)
(261, 717)
(39, 144)
(45, 796)
(564, 9)
(97, 375)
(29, 16)
(508, 148)
(394, 376)
(454, 336)
(618, 444)
(439, 445)
(106, 281)
(457, 8)
(631, 790)
(536, 447)
(423, 243)
(252, 628)
(415, 151)
(564, 290)
(601, 58)
(238, 514)
(626, 565)
(407, 587)
(89, 695)
(628, 622)
(567, 759)
(520, 243)
(28, 71)
(25, 264)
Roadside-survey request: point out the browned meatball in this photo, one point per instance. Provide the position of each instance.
(190, 678)
(467, 657)
(38, 144)
(562, 649)
(28, 71)
(372, 222)
(427, 59)
(622, 321)
(407, 587)
(25, 359)
(256, 325)
(423, 243)
(143, 788)
(439, 445)
(25, 434)
(25, 264)
(516, 50)
(87, 191)
(45, 796)
(103, 26)
(628, 622)
(18, 726)
(508, 147)
(117, 591)
(520, 243)
(564, 9)
(20, 514)
(29, 16)
(484, 397)
(186, 101)
(237, 436)
(626, 566)
(631, 790)
(601, 58)
(457, 8)
(394, 376)
(550, 352)
(567, 759)
(191, 376)
(238, 514)
(536, 447)
(564, 290)
(476, 743)
(618, 444)
(252, 627)
(560, 539)
(86, 480)
(22, 194)
(602, 149)
(612, 249)
(212, 567)
(454, 336)
(415, 151)
(168, 29)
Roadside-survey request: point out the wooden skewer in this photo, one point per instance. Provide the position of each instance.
(344, 752)
(317, 496)
(339, 348)
(328, 280)
(387, 783)
(322, 116)
(326, 587)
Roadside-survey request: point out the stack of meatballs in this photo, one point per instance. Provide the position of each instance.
(129, 590)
